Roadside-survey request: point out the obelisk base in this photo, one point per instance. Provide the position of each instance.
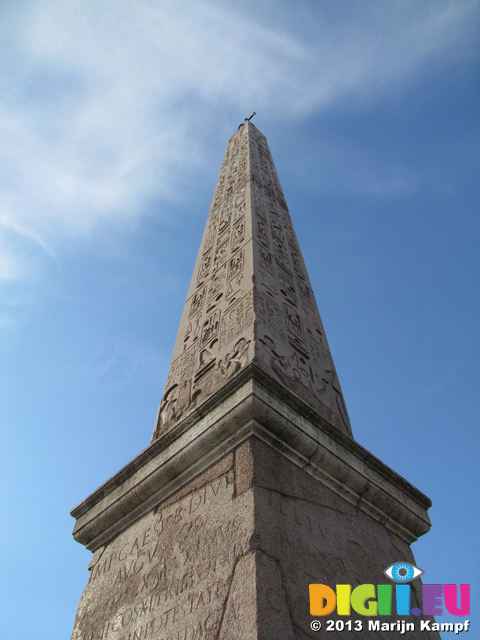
(231, 556)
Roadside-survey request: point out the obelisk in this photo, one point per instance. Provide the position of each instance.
(253, 487)
(250, 301)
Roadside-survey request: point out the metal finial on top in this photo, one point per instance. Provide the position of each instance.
(242, 123)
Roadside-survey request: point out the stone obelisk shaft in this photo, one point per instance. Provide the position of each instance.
(253, 487)
(250, 299)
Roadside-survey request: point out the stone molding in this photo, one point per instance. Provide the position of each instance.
(251, 404)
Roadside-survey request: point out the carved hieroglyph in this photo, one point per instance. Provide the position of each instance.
(250, 299)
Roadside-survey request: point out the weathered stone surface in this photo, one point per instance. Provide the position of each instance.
(169, 574)
(253, 486)
(230, 556)
(257, 605)
(250, 299)
(316, 537)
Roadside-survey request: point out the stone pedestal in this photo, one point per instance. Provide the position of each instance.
(218, 536)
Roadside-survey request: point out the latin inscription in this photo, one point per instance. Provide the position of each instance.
(168, 573)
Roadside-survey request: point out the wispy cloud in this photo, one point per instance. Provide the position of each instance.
(102, 101)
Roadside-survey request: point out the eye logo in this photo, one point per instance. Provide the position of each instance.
(402, 572)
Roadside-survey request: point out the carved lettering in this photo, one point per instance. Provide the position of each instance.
(306, 294)
(236, 359)
(297, 264)
(211, 326)
(214, 344)
(280, 250)
(204, 266)
(262, 232)
(236, 319)
(187, 363)
(197, 301)
(169, 586)
(235, 266)
(293, 321)
(277, 230)
(238, 234)
(266, 260)
(221, 255)
(269, 312)
(225, 218)
(207, 360)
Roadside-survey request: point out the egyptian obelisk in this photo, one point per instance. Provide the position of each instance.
(252, 487)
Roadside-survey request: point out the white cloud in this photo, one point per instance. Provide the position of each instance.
(105, 101)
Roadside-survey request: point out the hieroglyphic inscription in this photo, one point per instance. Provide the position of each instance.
(240, 203)
(266, 260)
(249, 251)
(210, 236)
(215, 294)
(268, 311)
(204, 267)
(221, 254)
(262, 232)
(280, 250)
(197, 302)
(238, 234)
(297, 264)
(306, 294)
(277, 227)
(287, 285)
(198, 371)
(211, 326)
(216, 285)
(225, 220)
(235, 359)
(293, 321)
(294, 367)
(235, 266)
(237, 318)
(294, 336)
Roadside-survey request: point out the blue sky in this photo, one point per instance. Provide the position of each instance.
(114, 117)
